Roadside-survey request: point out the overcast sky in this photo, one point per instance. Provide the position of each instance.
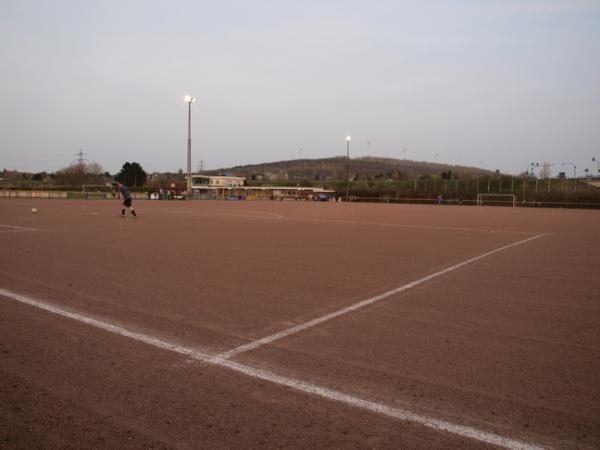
(495, 84)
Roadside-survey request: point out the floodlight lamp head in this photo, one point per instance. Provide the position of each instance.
(348, 138)
(189, 99)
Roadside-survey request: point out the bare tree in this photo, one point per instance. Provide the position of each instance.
(80, 173)
(95, 171)
(73, 175)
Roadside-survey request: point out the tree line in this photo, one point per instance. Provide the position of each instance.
(78, 174)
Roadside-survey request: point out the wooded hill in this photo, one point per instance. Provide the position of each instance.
(335, 169)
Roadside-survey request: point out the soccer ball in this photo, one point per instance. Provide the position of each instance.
(33, 210)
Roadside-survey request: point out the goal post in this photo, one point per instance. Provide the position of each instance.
(95, 188)
(94, 191)
(497, 200)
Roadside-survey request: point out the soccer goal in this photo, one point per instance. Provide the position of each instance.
(94, 191)
(497, 200)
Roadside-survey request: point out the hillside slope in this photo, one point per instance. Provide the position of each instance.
(335, 169)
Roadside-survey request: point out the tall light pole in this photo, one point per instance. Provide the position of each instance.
(529, 166)
(348, 139)
(189, 99)
(574, 168)
(524, 178)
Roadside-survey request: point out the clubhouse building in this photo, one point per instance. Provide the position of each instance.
(234, 188)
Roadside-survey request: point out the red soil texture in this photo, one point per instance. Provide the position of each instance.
(508, 344)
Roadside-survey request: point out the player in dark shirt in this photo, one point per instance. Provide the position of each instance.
(126, 199)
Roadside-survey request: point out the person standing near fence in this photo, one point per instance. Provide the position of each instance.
(126, 199)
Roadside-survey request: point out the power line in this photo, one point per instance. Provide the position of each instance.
(80, 158)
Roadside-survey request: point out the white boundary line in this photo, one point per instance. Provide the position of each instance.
(404, 225)
(299, 385)
(270, 215)
(19, 228)
(253, 214)
(311, 323)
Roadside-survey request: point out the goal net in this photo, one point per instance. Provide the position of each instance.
(497, 200)
(93, 191)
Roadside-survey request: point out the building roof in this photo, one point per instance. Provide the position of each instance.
(272, 188)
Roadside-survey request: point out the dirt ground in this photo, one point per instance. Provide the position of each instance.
(500, 334)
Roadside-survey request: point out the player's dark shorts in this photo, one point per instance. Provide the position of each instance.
(127, 202)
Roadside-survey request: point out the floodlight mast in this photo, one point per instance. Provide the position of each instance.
(574, 168)
(189, 100)
(348, 139)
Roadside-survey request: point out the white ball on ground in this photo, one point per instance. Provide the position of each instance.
(33, 210)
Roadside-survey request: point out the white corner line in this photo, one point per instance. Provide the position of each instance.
(296, 384)
(311, 323)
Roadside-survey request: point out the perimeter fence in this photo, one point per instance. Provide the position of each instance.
(75, 195)
(529, 192)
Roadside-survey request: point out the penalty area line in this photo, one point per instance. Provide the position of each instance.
(369, 301)
(405, 225)
(16, 228)
(296, 384)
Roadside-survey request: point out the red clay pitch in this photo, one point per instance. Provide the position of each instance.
(508, 344)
